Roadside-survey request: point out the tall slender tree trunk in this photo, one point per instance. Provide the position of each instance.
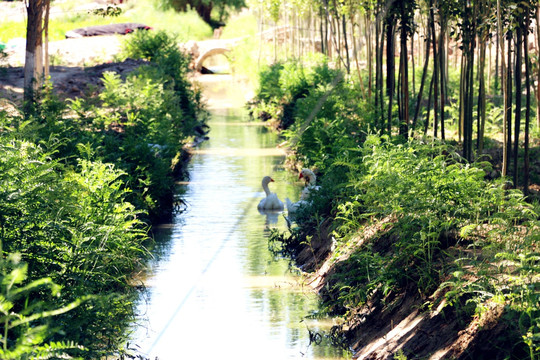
(390, 69)
(435, 70)
(442, 74)
(517, 79)
(469, 33)
(428, 108)
(46, 46)
(526, 165)
(379, 44)
(422, 82)
(346, 43)
(321, 30)
(413, 66)
(357, 62)
(500, 41)
(508, 108)
(404, 76)
(369, 41)
(369, 54)
(538, 70)
(481, 112)
(462, 77)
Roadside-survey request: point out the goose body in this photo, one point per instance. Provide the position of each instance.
(311, 179)
(292, 207)
(271, 201)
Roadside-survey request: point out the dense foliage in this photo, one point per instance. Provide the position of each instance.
(441, 228)
(79, 184)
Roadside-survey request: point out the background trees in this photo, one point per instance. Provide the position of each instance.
(475, 58)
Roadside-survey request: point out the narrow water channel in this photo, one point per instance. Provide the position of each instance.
(215, 290)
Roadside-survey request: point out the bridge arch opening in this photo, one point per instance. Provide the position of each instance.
(215, 60)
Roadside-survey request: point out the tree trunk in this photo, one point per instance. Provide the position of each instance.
(348, 63)
(517, 109)
(205, 11)
(33, 66)
(422, 82)
(538, 70)
(404, 76)
(413, 66)
(428, 108)
(481, 112)
(500, 41)
(357, 62)
(508, 108)
(390, 56)
(46, 47)
(390, 69)
(461, 97)
(369, 55)
(526, 166)
(442, 74)
(321, 29)
(379, 104)
(469, 33)
(435, 69)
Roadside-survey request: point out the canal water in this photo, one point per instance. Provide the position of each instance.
(214, 289)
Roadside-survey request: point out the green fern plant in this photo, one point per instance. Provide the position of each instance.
(24, 331)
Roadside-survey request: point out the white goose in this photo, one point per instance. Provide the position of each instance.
(311, 179)
(271, 201)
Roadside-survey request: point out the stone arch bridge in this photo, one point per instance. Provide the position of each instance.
(202, 50)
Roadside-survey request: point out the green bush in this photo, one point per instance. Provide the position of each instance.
(141, 123)
(76, 228)
(24, 320)
(283, 85)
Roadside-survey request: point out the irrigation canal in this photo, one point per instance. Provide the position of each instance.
(214, 289)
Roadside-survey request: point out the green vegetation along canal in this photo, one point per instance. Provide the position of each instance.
(214, 289)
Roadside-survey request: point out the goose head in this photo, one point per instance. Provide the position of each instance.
(265, 181)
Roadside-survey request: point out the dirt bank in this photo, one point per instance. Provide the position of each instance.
(401, 323)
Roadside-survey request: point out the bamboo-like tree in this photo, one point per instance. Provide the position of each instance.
(406, 11)
(526, 165)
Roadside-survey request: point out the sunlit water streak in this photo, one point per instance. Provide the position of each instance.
(215, 291)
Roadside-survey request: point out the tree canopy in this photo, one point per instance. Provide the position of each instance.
(214, 13)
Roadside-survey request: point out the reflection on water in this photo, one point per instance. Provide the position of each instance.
(214, 288)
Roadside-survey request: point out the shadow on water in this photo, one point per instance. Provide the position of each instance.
(214, 289)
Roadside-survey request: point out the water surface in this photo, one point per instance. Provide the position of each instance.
(215, 291)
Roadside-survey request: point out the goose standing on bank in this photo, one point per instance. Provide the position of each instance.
(311, 180)
(271, 201)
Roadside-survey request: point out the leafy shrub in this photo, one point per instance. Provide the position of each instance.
(282, 85)
(142, 122)
(74, 227)
(24, 329)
